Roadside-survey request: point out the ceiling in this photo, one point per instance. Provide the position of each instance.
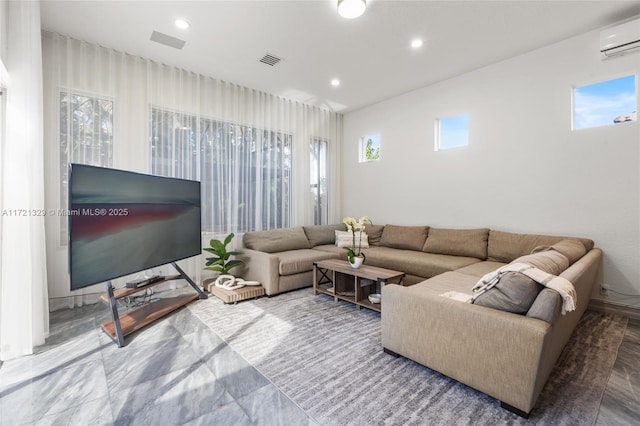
(371, 55)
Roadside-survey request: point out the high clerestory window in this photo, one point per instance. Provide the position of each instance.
(369, 148)
(245, 172)
(452, 132)
(605, 103)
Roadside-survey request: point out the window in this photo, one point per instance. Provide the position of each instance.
(245, 173)
(452, 132)
(318, 175)
(370, 148)
(86, 137)
(605, 103)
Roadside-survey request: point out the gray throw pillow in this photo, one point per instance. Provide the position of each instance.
(547, 306)
(515, 292)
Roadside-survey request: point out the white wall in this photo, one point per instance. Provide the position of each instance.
(135, 84)
(524, 170)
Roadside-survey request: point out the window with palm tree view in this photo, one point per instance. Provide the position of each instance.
(370, 148)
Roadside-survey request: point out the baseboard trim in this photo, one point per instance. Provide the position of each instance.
(614, 308)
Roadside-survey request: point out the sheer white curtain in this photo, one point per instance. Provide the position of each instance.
(24, 314)
(249, 149)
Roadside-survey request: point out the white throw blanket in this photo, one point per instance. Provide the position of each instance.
(559, 284)
(456, 295)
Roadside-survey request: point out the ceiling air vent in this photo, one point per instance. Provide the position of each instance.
(270, 59)
(167, 40)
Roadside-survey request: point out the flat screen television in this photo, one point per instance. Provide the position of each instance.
(122, 222)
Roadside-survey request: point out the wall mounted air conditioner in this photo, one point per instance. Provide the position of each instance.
(621, 39)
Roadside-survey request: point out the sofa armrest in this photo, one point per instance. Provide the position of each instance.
(262, 267)
(584, 276)
(495, 352)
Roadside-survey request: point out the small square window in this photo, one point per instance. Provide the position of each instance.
(605, 103)
(452, 132)
(370, 148)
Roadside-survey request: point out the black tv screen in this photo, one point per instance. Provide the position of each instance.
(123, 222)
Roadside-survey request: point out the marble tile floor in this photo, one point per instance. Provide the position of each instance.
(179, 372)
(621, 401)
(174, 372)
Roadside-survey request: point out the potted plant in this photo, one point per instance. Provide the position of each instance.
(354, 253)
(221, 261)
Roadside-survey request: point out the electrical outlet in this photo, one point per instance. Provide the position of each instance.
(604, 289)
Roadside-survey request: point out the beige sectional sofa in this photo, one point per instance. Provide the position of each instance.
(505, 355)
(282, 259)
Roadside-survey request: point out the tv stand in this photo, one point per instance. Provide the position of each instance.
(136, 318)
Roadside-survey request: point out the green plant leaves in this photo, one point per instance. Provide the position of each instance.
(218, 245)
(229, 238)
(221, 263)
(350, 254)
(233, 263)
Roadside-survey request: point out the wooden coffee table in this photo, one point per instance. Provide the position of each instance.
(338, 279)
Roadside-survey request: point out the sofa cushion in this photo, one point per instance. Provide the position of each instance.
(571, 248)
(481, 269)
(276, 240)
(346, 238)
(322, 234)
(506, 246)
(415, 263)
(296, 261)
(404, 237)
(446, 282)
(332, 248)
(514, 293)
(550, 261)
(375, 234)
(457, 242)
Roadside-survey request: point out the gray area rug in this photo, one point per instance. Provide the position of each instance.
(328, 359)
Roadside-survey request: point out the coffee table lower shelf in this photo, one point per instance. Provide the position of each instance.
(353, 285)
(352, 299)
(369, 305)
(139, 317)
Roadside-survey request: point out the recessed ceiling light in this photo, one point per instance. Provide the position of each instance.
(415, 43)
(183, 24)
(335, 82)
(351, 8)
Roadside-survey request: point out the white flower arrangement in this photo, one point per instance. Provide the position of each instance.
(353, 226)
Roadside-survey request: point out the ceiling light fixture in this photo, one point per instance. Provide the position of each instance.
(335, 82)
(416, 43)
(183, 24)
(351, 8)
